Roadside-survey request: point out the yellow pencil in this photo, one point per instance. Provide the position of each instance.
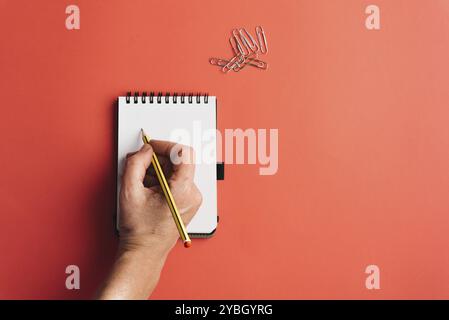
(168, 196)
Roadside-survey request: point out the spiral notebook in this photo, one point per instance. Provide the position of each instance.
(187, 119)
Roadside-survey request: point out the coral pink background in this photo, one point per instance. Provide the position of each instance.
(363, 153)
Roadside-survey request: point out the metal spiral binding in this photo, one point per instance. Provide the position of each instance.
(191, 97)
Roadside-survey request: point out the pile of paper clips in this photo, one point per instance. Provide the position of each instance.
(246, 51)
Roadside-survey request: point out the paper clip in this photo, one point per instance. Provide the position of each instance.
(247, 61)
(218, 62)
(251, 45)
(234, 45)
(262, 39)
(238, 65)
(246, 49)
(240, 44)
(233, 63)
(258, 64)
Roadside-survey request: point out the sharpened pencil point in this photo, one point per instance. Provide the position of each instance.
(145, 138)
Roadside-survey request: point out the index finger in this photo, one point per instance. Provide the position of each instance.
(181, 157)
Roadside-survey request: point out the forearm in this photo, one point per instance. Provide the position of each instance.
(134, 275)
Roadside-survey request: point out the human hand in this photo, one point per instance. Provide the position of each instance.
(145, 219)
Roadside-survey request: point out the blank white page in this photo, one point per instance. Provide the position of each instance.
(165, 121)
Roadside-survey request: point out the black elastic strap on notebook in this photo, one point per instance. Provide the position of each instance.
(220, 170)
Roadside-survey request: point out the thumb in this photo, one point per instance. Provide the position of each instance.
(137, 165)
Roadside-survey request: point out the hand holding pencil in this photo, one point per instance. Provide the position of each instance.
(168, 195)
(147, 228)
(146, 218)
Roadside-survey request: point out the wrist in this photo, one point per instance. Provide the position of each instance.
(148, 259)
(136, 271)
(151, 247)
